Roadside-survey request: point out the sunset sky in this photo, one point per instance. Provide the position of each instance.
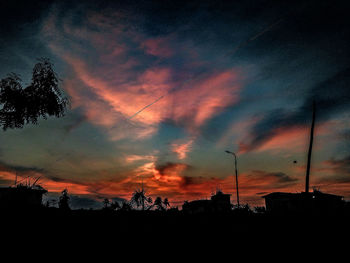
(160, 89)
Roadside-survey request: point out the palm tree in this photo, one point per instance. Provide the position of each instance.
(139, 198)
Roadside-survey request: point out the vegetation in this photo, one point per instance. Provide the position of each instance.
(161, 205)
(64, 200)
(139, 199)
(108, 205)
(41, 99)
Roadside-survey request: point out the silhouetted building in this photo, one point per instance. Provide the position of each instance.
(315, 202)
(219, 202)
(306, 202)
(21, 197)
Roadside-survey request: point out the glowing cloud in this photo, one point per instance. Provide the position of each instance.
(181, 149)
(123, 84)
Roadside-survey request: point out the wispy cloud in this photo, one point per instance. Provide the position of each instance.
(181, 149)
(124, 83)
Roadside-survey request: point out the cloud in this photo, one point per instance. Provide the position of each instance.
(158, 46)
(20, 169)
(258, 179)
(134, 158)
(118, 78)
(181, 149)
(173, 180)
(340, 166)
(331, 97)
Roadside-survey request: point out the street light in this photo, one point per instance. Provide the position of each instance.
(234, 155)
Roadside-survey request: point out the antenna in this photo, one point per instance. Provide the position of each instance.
(307, 179)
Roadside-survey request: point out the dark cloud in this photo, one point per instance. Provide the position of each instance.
(341, 166)
(281, 177)
(75, 124)
(58, 179)
(189, 180)
(16, 14)
(331, 97)
(345, 135)
(20, 169)
(163, 168)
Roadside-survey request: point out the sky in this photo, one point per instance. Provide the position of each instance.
(160, 89)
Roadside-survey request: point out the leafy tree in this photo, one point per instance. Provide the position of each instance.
(42, 98)
(64, 200)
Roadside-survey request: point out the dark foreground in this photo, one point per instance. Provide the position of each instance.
(114, 223)
(103, 236)
(137, 234)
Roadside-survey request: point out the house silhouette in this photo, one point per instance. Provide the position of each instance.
(304, 202)
(292, 203)
(21, 197)
(219, 202)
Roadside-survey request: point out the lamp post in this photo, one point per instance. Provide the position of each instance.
(234, 155)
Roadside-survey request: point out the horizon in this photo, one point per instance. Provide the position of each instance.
(160, 90)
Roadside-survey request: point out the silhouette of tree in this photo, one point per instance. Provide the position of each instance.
(115, 205)
(166, 203)
(106, 203)
(259, 209)
(158, 203)
(126, 206)
(64, 200)
(139, 198)
(42, 98)
(161, 205)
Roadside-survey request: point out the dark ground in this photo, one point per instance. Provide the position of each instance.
(111, 223)
(170, 236)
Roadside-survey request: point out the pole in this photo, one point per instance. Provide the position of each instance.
(310, 150)
(142, 196)
(236, 178)
(16, 179)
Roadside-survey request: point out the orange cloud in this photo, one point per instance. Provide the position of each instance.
(122, 91)
(158, 47)
(292, 139)
(181, 149)
(48, 184)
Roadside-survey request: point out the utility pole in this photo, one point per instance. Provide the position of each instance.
(16, 179)
(142, 196)
(307, 179)
(234, 155)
